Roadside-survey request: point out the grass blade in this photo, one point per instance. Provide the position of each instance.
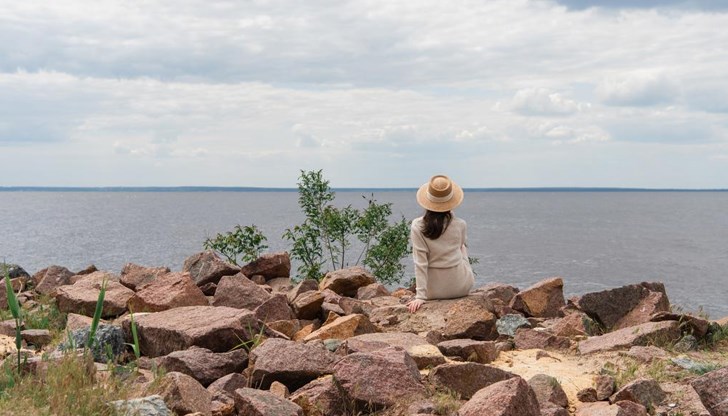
(12, 299)
(97, 315)
(135, 337)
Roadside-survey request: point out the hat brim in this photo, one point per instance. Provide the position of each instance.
(454, 202)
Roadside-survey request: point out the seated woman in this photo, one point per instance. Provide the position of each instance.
(439, 240)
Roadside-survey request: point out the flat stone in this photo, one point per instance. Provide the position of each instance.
(37, 337)
(543, 299)
(134, 275)
(609, 307)
(467, 378)
(343, 327)
(666, 331)
(346, 282)
(82, 296)
(145, 406)
(269, 265)
(422, 352)
(167, 291)
(482, 352)
(204, 365)
(50, 278)
(183, 394)
(288, 362)
(530, 338)
(371, 291)
(713, 391)
(646, 392)
(253, 402)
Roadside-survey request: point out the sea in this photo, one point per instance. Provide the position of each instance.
(594, 240)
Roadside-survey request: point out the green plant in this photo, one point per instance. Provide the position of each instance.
(97, 315)
(245, 243)
(325, 237)
(135, 336)
(14, 310)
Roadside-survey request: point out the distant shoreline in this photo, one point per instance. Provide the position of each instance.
(255, 189)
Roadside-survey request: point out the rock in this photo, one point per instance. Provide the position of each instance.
(530, 338)
(81, 297)
(304, 286)
(646, 392)
(646, 354)
(713, 391)
(467, 378)
(611, 307)
(321, 397)
(207, 267)
(145, 406)
(604, 386)
(16, 284)
(308, 305)
(510, 397)
(14, 271)
(378, 379)
(223, 389)
(134, 275)
(693, 325)
(269, 265)
(686, 343)
(216, 328)
(544, 299)
(252, 402)
(280, 284)
(498, 291)
(342, 328)
(352, 306)
(691, 365)
(37, 337)
(508, 324)
(239, 292)
(482, 352)
(422, 352)
(306, 331)
(587, 395)
(88, 270)
(288, 328)
(167, 291)
(371, 291)
(107, 338)
(623, 408)
(75, 321)
(7, 327)
(575, 324)
(288, 362)
(550, 409)
(628, 408)
(279, 389)
(257, 279)
(204, 365)
(470, 317)
(651, 332)
(183, 394)
(274, 309)
(48, 279)
(548, 390)
(347, 282)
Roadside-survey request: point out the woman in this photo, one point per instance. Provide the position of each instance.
(439, 240)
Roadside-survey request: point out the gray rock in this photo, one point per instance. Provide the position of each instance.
(145, 406)
(508, 324)
(108, 338)
(14, 271)
(686, 343)
(690, 365)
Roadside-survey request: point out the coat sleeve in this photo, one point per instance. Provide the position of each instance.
(419, 254)
(464, 247)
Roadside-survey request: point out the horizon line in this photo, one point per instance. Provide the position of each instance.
(340, 189)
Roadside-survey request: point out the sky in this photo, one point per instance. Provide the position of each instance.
(377, 93)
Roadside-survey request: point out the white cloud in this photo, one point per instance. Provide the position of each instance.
(540, 101)
(638, 89)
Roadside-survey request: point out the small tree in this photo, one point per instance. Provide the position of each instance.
(247, 243)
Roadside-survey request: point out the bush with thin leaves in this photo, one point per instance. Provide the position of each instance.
(246, 243)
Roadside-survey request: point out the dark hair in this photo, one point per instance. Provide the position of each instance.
(435, 223)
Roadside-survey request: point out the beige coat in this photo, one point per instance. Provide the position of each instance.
(442, 270)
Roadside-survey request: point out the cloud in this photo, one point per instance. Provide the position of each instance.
(638, 89)
(649, 4)
(540, 101)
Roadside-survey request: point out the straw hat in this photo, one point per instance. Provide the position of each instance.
(440, 194)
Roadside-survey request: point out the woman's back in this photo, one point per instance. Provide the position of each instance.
(446, 250)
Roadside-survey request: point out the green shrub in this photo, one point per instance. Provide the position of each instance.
(245, 243)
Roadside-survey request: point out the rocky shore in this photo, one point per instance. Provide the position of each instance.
(250, 341)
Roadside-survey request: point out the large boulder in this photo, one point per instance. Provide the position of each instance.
(347, 282)
(274, 309)
(82, 296)
(713, 391)
(422, 352)
(291, 363)
(308, 304)
(343, 327)
(693, 325)
(167, 291)
(134, 275)
(204, 365)
(548, 390)
(239, 292)
(269, 265)
(378, 379)
(371, 291)
(305, 285)
(216, 328)
(321, 397)
(467, 378)
(575, 324)
(644, 391)
(183, 394)
(542, 300)
(207, 267)
(48, 279)
(624, 306)
(468, 317)
(511, 397)
(145, 406)
(651, 332)
(253, 402)
(107, 339)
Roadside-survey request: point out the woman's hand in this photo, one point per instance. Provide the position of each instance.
(414, 305)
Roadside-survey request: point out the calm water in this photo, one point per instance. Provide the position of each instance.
(593, 240)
